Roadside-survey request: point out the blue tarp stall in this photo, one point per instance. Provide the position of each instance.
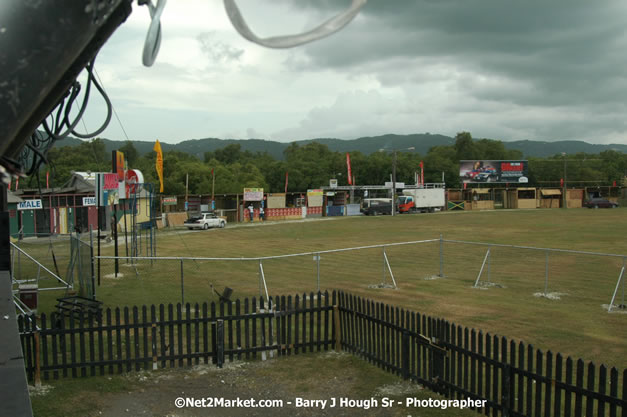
(335, 211)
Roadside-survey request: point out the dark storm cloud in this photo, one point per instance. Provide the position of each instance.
(564, 52)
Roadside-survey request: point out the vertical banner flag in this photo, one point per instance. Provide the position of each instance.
(422, 173)
(348, 166)
(47, 179)
(286, 181)
(561, 182)
(159, 163)
(17, 183)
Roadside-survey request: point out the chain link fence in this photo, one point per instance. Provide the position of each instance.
(555, 274)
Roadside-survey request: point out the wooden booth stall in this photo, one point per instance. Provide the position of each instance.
(522, 198)
(574, 198)
(550, 198)
(479, 199)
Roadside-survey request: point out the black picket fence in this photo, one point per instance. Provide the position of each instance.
(150, 338)
(457, 362)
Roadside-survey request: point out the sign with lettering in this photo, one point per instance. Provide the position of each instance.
(169, 201)
(89, 201)
(30, 205)
(253, 194)
(483, 171)
(110, 182)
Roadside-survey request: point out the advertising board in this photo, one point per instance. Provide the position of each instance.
(483, 171)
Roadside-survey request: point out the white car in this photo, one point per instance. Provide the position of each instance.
(205, 221)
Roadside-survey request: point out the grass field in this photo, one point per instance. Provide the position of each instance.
(575, 325)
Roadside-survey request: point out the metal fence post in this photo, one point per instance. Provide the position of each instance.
(384, 277)
(624, 263)
(441, 274)
(489, 261)
(318, 270)
(546, 273)
(182, 285)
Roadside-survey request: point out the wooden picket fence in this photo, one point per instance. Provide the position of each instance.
(150, 338)
(515, 379)
(459, 363)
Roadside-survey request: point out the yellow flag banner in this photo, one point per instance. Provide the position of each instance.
(159, 163)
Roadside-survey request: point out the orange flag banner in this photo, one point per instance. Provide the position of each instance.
(159, 164)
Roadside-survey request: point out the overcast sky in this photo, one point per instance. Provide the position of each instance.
(505, 70)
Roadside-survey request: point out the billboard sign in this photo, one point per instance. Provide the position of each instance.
(253, 194)
(483, 171)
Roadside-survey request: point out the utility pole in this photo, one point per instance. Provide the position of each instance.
(394, 185)
(565, 201)
(186, 188)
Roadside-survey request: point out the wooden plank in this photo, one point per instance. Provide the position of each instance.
(614, 390)
(92, 347)
(512, 385)
(44, 344)
(460, 359)
(547, 387)
(538, 397)
(205, 333)
(162, 332)
(624, 393)
(296, 324)
(229, 309)
(480, 364)
(473, 362)
(246, 328)
(326, 321)
(81, 340)
(590, 386)
(289, 325)
(153, 337)
(521, 386)
(136, 339)
(72, 347)
(529, 397)
(304, 327)
(55, 364)
(319, 322)
(495, 375)
(188, 334)
(127, 340)
(100, 343)
(388, 340)
(488, 372)
(263, 327)
(214, 335)
(370, 334)
(110, 339)
(395, 342)
(557, 402)
(466, 368)
(171, 339)
(579, 384)
(180, 347)
(569, 381)
(602, 385)
(196, 333)
(271, 307)
(311, 322)
(63, 335)
(238, 330)
(145, 329)
(254, 326)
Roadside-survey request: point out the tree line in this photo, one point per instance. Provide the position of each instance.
(312, 165)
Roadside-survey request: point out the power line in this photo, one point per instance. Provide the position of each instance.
(112, 106)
